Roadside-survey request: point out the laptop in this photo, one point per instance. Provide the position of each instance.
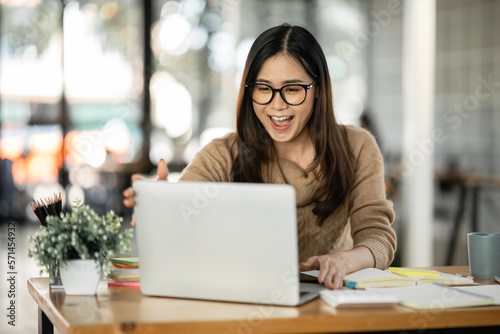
(234, 242)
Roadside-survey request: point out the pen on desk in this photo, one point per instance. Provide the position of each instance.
(351, 285)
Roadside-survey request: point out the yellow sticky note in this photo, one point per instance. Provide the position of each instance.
(413, 272)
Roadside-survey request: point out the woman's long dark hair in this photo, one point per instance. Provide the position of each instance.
(333, 155)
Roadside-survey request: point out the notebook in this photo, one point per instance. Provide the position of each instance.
(219, 241)
(437, 296)
(376, 278)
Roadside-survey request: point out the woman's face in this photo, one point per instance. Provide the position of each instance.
(284, 122)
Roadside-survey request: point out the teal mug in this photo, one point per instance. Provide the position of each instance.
(484, 254)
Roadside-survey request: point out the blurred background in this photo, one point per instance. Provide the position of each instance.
(92, 91)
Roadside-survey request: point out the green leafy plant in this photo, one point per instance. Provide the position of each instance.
(79, 234)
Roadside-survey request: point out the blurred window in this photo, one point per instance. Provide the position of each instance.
(199, 50)
(103, 71)
(72, 82)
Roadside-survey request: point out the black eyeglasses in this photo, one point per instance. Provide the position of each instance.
(292, 94)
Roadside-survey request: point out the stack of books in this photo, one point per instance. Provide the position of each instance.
(125, 272)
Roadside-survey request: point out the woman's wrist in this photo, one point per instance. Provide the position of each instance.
(358, 258)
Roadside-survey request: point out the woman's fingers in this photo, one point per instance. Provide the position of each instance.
(128, 197)
(334, 279)
(310, 264)
(137, 177)
(338, 281)
(129, 193)
(162, 171)
(331, 269)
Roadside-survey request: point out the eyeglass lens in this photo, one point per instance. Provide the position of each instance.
(292, 94)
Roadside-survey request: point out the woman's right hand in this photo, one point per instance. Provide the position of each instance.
(129, 194)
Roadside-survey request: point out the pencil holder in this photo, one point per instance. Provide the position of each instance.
(42, 209)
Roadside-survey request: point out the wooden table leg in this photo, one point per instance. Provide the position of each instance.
(45, 326)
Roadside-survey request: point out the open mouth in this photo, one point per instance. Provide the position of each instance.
(281, 121)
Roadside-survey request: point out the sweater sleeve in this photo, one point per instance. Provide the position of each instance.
(213, 163)
(371, 213)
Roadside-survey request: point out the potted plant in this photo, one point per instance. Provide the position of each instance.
(81, 242)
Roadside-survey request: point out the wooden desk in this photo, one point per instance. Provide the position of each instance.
(120, 310)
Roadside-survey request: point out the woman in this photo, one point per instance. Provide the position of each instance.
(286, 133)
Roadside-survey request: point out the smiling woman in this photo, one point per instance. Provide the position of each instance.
(286, 133)
(285, 115)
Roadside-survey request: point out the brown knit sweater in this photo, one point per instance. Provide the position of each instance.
(364, 219)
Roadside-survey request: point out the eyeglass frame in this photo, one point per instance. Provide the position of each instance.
(280, 90)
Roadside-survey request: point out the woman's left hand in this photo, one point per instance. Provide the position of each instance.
(332, 269)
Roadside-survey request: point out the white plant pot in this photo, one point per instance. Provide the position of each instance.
(81, 277)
